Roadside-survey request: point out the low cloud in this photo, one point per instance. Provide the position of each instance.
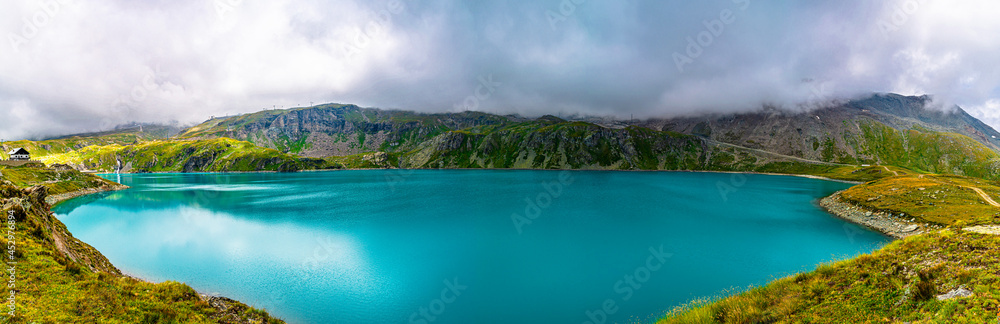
(72, 66)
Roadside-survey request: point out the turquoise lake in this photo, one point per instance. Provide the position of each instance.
(466, 246)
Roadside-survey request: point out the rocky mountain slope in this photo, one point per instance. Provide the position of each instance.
(883, 129)
(553, 143)
(339, 130)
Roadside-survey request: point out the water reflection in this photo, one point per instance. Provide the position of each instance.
(375, 246)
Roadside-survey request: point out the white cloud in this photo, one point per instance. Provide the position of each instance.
(93, 64)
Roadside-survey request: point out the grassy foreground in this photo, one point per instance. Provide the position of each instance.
(59, 279)
(897, 284)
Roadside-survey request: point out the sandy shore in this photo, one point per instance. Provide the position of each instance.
(892, 225)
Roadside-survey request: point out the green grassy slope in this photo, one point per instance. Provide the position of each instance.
(57, 181)
(60, 279)
(184, 156)
(559, 145)
(925, 150)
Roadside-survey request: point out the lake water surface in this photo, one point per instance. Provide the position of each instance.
(464, 246)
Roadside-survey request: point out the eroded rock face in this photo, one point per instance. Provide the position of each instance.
(61, 167)
(37, 195)
(380, 159)
(196, 163)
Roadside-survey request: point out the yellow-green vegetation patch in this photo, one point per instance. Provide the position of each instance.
(57, 181)
(213, 155)
(68, 144)
(937, 199)
(899, 283)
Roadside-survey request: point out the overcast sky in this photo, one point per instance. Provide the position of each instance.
(83, 65)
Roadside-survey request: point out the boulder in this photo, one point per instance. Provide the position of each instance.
(959, 292)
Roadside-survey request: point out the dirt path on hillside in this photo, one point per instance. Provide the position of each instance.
(893, 172)
(986, 197)
(711, 141)
(980, 192)
(989, 230)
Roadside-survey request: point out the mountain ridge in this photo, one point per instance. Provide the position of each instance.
(880, 129)
(883, 129)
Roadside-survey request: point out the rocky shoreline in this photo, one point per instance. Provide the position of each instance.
(897, 226)
(55, 199)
